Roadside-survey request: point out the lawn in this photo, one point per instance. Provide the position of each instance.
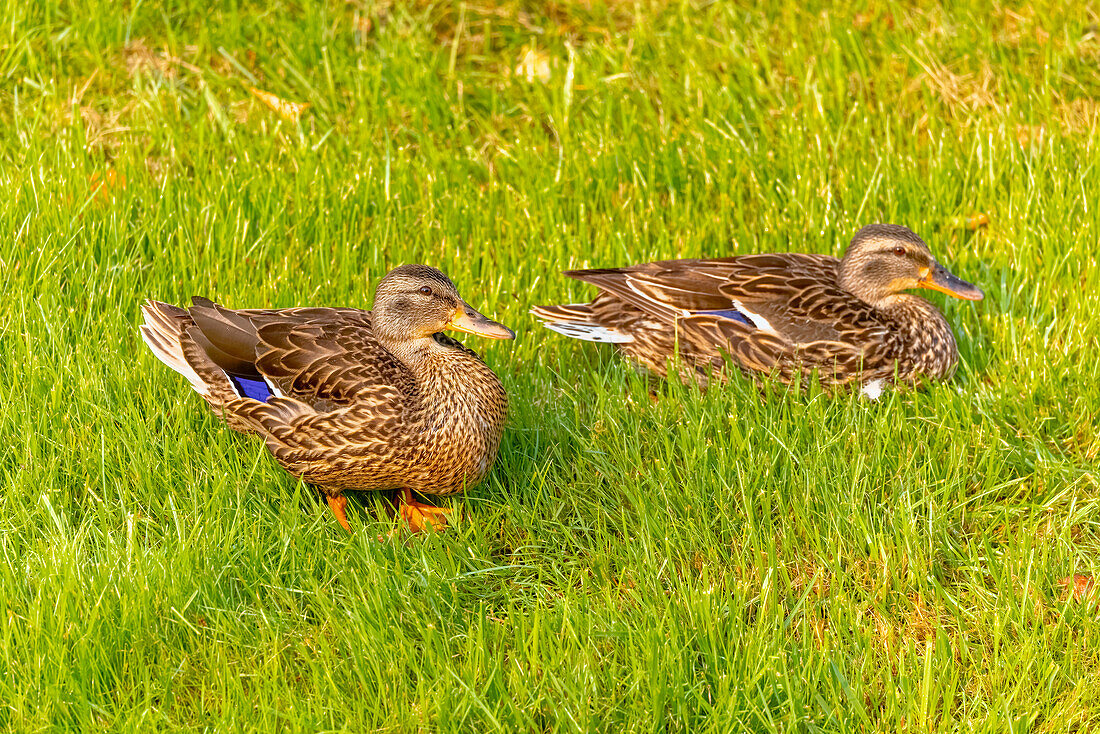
(640, 559)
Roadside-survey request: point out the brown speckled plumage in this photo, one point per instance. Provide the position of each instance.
(785, 315)
(362, 401)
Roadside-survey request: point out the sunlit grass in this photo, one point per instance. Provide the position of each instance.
(731, 560)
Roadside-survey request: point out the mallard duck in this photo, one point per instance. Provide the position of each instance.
(785, 315)
(351, 399)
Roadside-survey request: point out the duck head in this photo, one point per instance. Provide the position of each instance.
(416, 301)
(886, 259)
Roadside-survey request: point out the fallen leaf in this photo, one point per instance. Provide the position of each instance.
(1078, 587)
(972, 221)
(1030, 134)
(977, 219)
(103, 187)
(289, 111)
(534, 64)
(862, 20)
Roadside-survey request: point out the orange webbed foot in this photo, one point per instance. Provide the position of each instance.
(420, 516)
(338, 503)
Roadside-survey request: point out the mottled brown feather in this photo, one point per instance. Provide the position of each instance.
(351, 413)
(815, 325)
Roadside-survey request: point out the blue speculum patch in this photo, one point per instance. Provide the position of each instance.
(731, 314)
(248, 387)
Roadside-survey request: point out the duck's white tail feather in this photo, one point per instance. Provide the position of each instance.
(163, 332)
(577, 321)
(588, 332)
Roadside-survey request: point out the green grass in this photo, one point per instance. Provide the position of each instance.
(720, 561)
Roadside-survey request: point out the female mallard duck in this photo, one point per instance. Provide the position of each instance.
(350, 399)
(785, 315)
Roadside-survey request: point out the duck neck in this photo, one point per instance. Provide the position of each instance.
(422, 357)
(456, 391)
(925, 331)
(911, 309)
(442, 368)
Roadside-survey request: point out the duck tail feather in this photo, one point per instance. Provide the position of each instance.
(577, 321)
(163, 332)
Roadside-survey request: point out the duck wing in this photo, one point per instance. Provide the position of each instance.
(337, 400)
(330, 447)
(769, 312)
(667, 289)
(325, 357)
(787, 315)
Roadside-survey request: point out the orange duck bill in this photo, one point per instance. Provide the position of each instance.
(939, 278)
(471, 321)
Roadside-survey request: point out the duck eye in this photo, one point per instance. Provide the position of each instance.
(425, 290)
(899, 251)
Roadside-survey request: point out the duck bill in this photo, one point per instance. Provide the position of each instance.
(467, 319)
(940, 279)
